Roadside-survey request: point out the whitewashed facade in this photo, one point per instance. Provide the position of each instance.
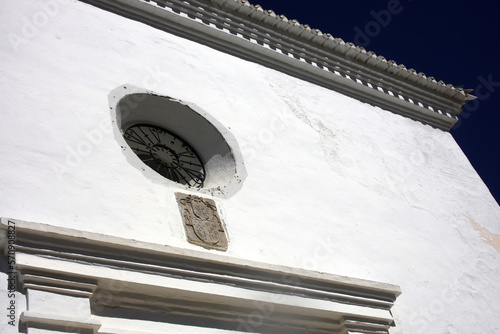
(346, 204)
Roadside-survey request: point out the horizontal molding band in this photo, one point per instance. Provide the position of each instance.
(84, 264)
(70, 244)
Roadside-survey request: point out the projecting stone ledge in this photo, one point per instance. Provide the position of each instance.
(94, 279)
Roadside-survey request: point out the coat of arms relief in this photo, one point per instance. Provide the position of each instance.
(201, 221)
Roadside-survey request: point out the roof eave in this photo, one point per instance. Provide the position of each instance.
(249, 32)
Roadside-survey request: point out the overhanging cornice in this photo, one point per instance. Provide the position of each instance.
(241, 29)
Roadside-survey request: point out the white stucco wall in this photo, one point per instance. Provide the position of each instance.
(333, 184)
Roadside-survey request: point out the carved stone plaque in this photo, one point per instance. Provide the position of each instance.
(201, 221)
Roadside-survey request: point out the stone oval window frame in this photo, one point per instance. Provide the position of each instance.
(217, 147)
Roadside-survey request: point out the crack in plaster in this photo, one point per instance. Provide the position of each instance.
(327, 138)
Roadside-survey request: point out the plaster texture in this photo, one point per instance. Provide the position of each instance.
(334, 185)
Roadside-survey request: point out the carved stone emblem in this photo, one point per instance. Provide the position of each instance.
(201, 221)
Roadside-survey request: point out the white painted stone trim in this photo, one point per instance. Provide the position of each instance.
(38, 319)
(65, 262)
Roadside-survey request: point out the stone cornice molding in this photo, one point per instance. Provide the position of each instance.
(241, 29)
(196, 284)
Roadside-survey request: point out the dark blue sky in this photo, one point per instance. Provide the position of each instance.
(453, 41)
